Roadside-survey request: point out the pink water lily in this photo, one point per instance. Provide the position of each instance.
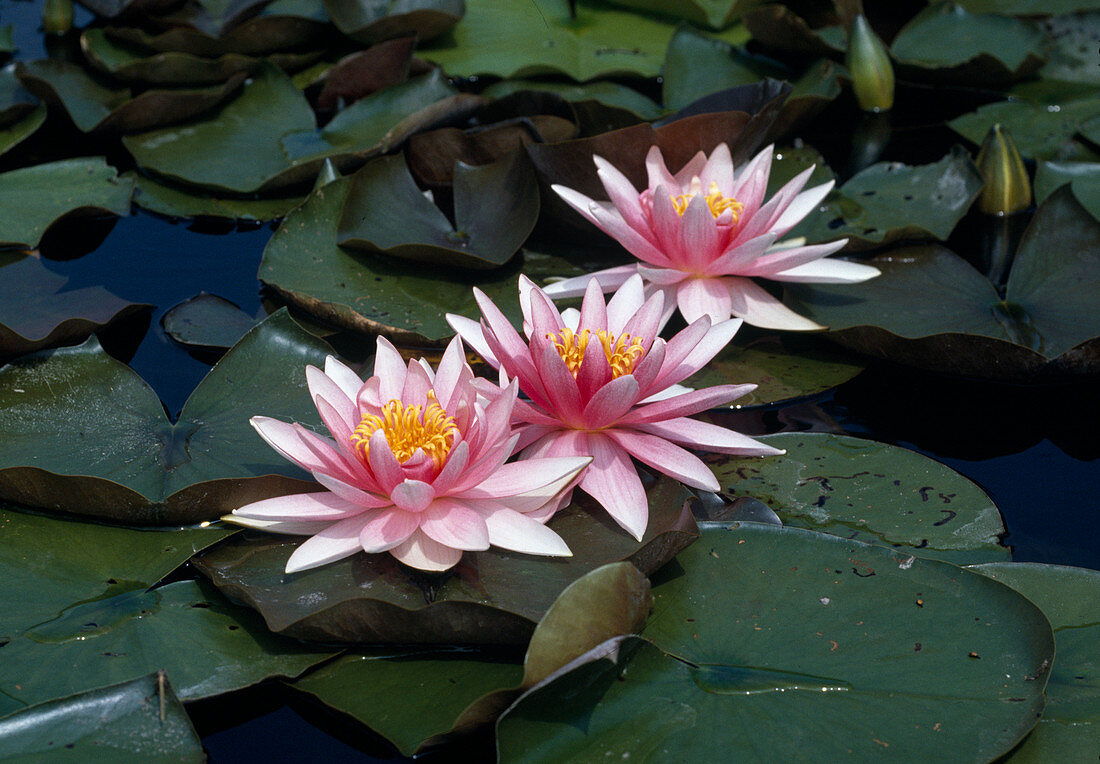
(705, 233)
(601, 383)
(415, 467)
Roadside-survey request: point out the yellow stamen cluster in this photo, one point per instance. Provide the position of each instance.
(715, 200)
(407, 429)
(622, 353)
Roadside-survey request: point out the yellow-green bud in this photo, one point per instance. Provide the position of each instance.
(57, 16)
(869, 64)
(1007, 186)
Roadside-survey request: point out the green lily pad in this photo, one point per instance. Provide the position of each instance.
(34, 198)
(716, 14)
(445, 693)
(139, 720)
(1039, 130)
(807, 643)
(267, 138)
(1083, 177)
(495, 209)
(1028, 7)
(774, 25)
(134, 64)
(1070, 598)
(1073, 55)
(871, 492)
(371, 22)
(176, 201)
(932, 309)
(491, 597)
(16, 102)
(94, 106)
(603, 92)
(37, 312)
(118, 457)
(17, 132)
(946, 42)
(890, 201)
(789, 161)
(510, 39)
(783, 366)
(366, 293)
(208, 321)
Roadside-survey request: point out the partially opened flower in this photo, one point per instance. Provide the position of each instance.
(417, 468)
(602, 383)
(706, 232)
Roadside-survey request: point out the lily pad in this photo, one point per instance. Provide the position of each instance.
(449, 692)
(1083, 177)
(15, 133)
(137, 720)
(491, 597)
(15, 101)
(495, 209)
(932, 309)
(807, 643)
(36, 311)
(890, 201)
(1039, 130)
(266, 138)
(784, 366)
(208, 321)
(1073, 56)
(946, 43)
(510, 39)
(775, 25)
(871, 492)
(371, 22)
(34, 198)
(366, 293)
(134, 64)
(716, 14)
(604, 92)
(94, 106)
(117, 456)
(176, 201)
(1028, 7)
(1070, 598)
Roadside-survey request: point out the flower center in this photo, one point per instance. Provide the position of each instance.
(407, 429)
(622, 353)
(715, 200)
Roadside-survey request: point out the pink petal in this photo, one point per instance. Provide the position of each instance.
(386, 529)
(453, 524)
(623, 196)
(740, 258)
(666, 457)
(527, 476)
(718, 169)
(611, 402)
(519, 533)
(420, 551)
(594, 372)
(353, 494)
(389, 367)
(759, 308)
(661, 276)
(301, 446)
(699, 240)
(451, 372)
(715, 340)
(561, 388)
(785, 258)
(803, 205)
(412, 495)
(691, 170)
(645, 324)
(416, 387)
(343, 376)
(657, 170)
(752, 183)
(545, 318)
(311, 507)
(339, 540)
(649, 367)
(292, 527)
(828, 272)
(666, 226)
(593, 308)
(470, 331)
(634, 243)
(626, 301)
(708, 437)
(610, 279)
(613, 481)
(686, 404)
(452, 468)
(514, 354)
(387, 470)
(525, 412)
(704, 297)
(321, 386)
(577, 201)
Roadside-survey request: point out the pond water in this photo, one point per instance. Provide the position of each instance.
(1034, 450)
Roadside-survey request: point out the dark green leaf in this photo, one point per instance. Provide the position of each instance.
(1028, 7)
(790, 642)
(135, 64)
(717, 14)
(1040, 130)
(176, 201)
(776, 26)
(17, 132)
(492, 597)
(139, 720)
(116, 456)
(870, 492)
(207, 320)
(604, 92)
(33, 198)
(371, 22)
(1073, 52)
(1083, 176)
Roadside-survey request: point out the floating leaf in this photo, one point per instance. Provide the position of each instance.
(948, 43)
(16, 102)
(1028, 7)
(495, 209)
(774, 25)
(510, 39)
(137, 720)
(604, 92)
(17, 132)
(207, 320)
(787, 641)
(890, 201)
(415, 700)
(176, 201)
(368, 71)
(870, 492)
(1073, 52)
(1040, 130)
(784, 366)
(93, 106)
(371, 22)
(37, 312)
(34, 198)
(117, 456)
(1070, 598)
(1084, 177)
(491, 597)
(367, 293)
(267, 138)
(930, 308)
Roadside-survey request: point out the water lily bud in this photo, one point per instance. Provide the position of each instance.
(1007, 186)
(869, 63)
(57, 16)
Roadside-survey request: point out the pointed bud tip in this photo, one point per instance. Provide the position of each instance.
(1007, 187)
(869, 63)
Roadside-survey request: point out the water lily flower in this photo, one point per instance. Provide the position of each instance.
(416, 467)
(601, 383)
(705, 233)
